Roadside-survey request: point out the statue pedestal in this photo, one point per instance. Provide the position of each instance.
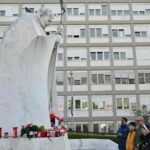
(55, 143)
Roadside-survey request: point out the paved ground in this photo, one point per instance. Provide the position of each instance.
(93, 144)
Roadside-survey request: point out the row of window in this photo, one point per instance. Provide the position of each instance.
(98, 78)
(104, 127)
(79, 9)
(98, 31)
(103, 53)
(103, 32)
(105, 102)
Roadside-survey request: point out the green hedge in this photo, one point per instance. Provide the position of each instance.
(92, 136)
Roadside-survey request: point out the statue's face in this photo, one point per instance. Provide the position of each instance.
(45, 20)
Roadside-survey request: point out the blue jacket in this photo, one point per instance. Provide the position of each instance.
(124, 130)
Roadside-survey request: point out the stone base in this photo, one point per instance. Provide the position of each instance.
(93, 144)
(56, 143)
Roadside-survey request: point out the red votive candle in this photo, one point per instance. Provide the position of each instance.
(15, 132)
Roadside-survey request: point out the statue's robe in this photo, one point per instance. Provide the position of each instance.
(27, 64)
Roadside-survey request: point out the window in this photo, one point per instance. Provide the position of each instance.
(2, 12)
(78, 127)
(135, 12)
(113, 12)
(97, 12)
(96, 128)
(143, 34)
(104, 10)
(98, 32)
(147, 77)
(124, 78)
(137, 34)
(114, 33)
(106, 55)
(76, 11)
(119, 103)
(121, 32)
(95, 105)
(120, 56)
(84, 104)
(147, 11)
(77, 104)
(116, 55)
(69, 11)
(123, 103)
(91, 12)
(93, 55)
(60, 56)
(85, 128)
(100, 79)
(126, 12)
(59, 78)
(94, 78)
(141, 78)
(82, 33)
(120, 12)
(83, 80)
(100, 55)
(140, 33)
(92, 32)
(107, 79)
(141, 12)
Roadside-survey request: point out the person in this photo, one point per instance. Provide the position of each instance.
(122, 134)
(145, 144)
(131, 136)
(138, 136)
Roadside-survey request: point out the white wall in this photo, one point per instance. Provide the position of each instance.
(143, 55)
(11, 12)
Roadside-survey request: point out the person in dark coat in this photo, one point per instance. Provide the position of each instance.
(145, 144)
(122, 134)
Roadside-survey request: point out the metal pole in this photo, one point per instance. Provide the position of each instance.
(72, 105)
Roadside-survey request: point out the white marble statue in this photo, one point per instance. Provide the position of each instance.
(27, 72)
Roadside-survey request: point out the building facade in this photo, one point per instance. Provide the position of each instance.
(106, 46)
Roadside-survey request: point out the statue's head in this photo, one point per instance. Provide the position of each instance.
(45, 17)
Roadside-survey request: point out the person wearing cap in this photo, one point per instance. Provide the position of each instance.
(138, 136)
(122, 134)
(131, 136)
